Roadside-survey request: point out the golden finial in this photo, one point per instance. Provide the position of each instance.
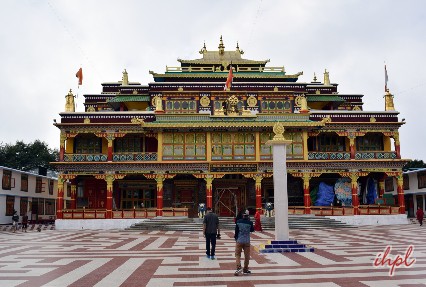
(125, 78)
(278, 130)
(326, 78)
(389, 105)
(221, 46)
(238, 49)
(203, 49)
(315, 77)
(69, 102)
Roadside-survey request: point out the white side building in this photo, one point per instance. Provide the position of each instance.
(29, 193)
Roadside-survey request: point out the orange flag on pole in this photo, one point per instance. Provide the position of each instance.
(229, 79)
(79, 75)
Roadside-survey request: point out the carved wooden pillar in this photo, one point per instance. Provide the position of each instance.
(63, 138)
(258, 184)
(209, 190)
(355, 199)
(397, 145)
(110, 138)
(381, 186)
(352, 146)
(60, 199)
(306, 195)
(110, 181)
(400, 190)
(160, 179)
(73, 194)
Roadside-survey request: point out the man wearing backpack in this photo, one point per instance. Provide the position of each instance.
(15, 221)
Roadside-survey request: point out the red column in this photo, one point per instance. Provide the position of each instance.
(258, 185)
(400, 190)
(306, 194)
(73, 194)
(209, 191)
(62, 147)
(110, 180)
(397, 145)
(110, 143)
(60, 199)
(160, 180)
(355, 199)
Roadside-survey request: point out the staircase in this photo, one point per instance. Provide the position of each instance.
(227, 223)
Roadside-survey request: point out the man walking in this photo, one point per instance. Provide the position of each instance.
(211, 230)
(15, 221)
(242, 236)
(420, 214)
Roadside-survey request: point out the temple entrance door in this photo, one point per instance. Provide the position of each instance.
(227, 200)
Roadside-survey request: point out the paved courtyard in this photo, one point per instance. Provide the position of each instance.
(343, 257)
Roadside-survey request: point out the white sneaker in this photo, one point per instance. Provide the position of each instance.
(238, 271)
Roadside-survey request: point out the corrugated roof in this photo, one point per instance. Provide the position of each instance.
(121, 99)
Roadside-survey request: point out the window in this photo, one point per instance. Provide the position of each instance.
(181, 106)
(421, 178)
(294, 150)
(68, 190)
(50, 207)
(24, 206)
(326, 142)
(370, 142)
(24, 182)
(10, 205)
(389, 184)
(276, 106)
(51, 183)
(7, 180)
(406, 181)
(133, 198)
(88, 144)
(233, 146)
(184, 146)
(39, 185)
(131, 143)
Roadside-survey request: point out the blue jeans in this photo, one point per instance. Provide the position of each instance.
(210, 239)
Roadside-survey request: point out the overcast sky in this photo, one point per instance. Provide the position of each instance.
(43, 44)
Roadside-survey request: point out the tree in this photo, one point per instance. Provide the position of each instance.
(416, 163)
(27, 157)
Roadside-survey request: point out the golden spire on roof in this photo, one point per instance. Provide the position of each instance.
(69, 102)
(238, 49)
(389, 105)
(326, 78)
(315, 77)
(204, 49)
(221, 46)
(125, 78)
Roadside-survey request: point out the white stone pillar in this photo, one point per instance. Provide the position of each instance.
(279, 151)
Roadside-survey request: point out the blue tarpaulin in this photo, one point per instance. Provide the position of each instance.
(371, 191)
(325, 195)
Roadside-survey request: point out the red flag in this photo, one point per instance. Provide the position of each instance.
(79, 75)
(229, 79)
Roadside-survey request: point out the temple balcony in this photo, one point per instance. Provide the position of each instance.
(375, 155)
(312, 155)
(116, 157)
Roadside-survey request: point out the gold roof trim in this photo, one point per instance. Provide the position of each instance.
(230, 124)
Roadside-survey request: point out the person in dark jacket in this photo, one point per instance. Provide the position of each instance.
(243, 227)
(211, 231)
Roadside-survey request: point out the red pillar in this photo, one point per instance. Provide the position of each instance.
(258, 185)
(306, 194)
(209, 191)
(352, 146)
(400, 190)
(62, 147)
(73, 194)
(160, 180)
(60, 199)
(110, 180)
(355, 199)
(110, 143)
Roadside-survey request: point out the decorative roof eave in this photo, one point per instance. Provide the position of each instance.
(219, 62)
(250, 124)
(129, 98)
(224, 75)
(324, 98)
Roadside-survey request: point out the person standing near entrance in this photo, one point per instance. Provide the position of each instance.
(15, 221)
(257, 223)
(242, 237)
(211, 230)
(420, 214)
(24, 223)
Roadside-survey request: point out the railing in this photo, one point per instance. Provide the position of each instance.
(375, 155)
(312, 155)
(346, 210)
(122, 214)
(75, 157)
(130, 156)
(118, 157)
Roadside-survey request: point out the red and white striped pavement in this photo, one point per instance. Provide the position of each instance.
(342, 257)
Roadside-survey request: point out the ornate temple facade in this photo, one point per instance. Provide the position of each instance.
(186, 138)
